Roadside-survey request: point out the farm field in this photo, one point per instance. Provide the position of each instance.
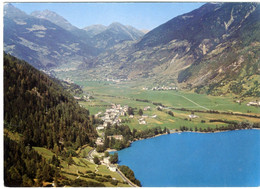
(178, 99)
(133, 95)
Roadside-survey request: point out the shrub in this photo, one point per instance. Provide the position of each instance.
(114, 182)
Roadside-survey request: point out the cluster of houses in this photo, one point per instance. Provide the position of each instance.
(252, 103)
(142, 121)
(68, 80)
(83, 98)
(106, 161)
(163, 88)
(112, 115)
(64, 69)
(100, 140)
(115, 80)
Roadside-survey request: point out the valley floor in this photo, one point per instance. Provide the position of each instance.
(189, 109)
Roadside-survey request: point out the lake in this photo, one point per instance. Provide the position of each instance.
(195, 159)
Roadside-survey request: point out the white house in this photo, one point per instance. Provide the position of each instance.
(112, 168)
(106, 160)
(77, 98)
(253, 103)
(100, 127)
(99, 141)
(142, 121)
(117, 137)
(192, 116)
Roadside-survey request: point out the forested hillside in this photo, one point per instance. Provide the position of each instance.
(42, 114)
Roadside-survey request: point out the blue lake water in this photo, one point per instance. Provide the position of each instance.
(194, 159)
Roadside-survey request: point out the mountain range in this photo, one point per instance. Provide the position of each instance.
(209, 49)
(47, 40)
(213, 49)
(41, 42)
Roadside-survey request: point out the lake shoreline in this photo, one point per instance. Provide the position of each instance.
(179, 132)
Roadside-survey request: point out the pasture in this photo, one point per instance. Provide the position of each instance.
(130, 93)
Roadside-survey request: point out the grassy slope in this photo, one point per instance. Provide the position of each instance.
(81, 165)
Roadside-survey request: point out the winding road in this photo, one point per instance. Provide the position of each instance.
(125, 178)
(90, 157)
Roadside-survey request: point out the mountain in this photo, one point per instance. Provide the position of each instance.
(40, 103)
(54, 18)
(62, 22)
(102, 36)
(234, 63)
(116, 33)
(94, 29)
(40, 42)
(191, 27)
(38, 112)
(197, 49)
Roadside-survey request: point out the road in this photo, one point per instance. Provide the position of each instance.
(126, 179)
(90, 153)
(118, 171)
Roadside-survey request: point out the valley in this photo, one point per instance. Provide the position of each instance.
(139, 95)
(77, 98)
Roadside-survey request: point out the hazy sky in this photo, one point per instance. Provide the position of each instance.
(139, 15)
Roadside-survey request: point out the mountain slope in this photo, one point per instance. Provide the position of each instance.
(35, 103)
(233, 65)
(54, 18)
(177, 50)
(41, 114)
(94, 29)
(62, 22)
(40, 42)
(194, 23)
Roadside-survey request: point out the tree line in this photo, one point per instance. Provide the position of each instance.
(231, 126)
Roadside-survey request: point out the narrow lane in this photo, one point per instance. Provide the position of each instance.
(192, 102)
(126, 179)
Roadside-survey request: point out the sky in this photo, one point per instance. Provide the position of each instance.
(139, 15)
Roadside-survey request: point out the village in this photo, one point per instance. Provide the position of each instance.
(110, 117)
(163, 88)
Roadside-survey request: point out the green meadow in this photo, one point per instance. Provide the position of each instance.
(81, 166)
(125, 93)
